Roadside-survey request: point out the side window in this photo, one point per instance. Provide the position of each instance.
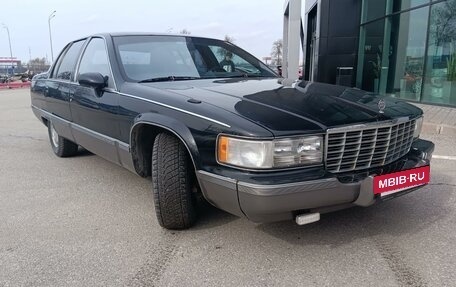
(95, 60)
(231, 62)
(66, 65)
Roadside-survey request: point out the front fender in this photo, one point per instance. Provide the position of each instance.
(179, 129)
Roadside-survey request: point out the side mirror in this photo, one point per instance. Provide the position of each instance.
(94, 80)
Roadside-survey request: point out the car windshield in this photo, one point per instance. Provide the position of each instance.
(169, 58)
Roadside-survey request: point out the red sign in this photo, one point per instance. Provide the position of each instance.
(13, 85)
(388, 183)
(9, 61)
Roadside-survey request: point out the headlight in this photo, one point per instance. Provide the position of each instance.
(418, 126)
(278, 153)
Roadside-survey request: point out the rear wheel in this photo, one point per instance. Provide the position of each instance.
(61, 146)
(172, 183)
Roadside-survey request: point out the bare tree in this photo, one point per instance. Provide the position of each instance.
(221, 51)
(229, 39)
(443, 29)
(38, 65)
(277, 52)
(185, 32)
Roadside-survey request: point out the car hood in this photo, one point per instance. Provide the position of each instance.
(306, 107)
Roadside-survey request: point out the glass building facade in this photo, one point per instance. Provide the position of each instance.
(407, 49)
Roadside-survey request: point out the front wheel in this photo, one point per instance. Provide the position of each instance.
(172, 183)
(61, 146)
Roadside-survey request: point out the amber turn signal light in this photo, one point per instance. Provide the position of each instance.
(222, 151)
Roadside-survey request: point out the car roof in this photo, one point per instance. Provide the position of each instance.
(119, 34)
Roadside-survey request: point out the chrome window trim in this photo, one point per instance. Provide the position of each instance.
(53, 67)
(76, 70)
(174, 108)
(62, 55)
(107, 54)
(62, 81)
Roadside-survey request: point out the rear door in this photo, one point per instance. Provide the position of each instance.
(95, 112)
(59, 87)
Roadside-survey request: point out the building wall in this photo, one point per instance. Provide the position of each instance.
(336, 38)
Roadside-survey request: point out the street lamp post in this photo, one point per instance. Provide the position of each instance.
(11, 50)
(50, 34)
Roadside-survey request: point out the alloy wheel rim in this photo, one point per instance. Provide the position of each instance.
(54, 136)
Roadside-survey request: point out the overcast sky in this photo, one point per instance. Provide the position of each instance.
(254, 24)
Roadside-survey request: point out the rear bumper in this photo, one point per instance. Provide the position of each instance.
(269, 202)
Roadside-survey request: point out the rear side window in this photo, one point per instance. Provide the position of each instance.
(67, 64)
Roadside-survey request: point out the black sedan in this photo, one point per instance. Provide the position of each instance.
(203, 117)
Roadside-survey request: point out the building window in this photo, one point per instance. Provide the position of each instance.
(370, 56)
(405, 64)
(373, 9)
(391, 54)
(409, 52)
(400, 5)
(440, 73)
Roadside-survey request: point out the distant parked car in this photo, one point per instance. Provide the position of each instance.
(4, 78)
(276, 69)
(166, 107)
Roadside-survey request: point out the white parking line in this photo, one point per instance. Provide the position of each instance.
(448, 157)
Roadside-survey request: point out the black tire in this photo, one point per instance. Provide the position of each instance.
(172, 183)
(61, 146)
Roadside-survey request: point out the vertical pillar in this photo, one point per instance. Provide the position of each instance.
(291, 39)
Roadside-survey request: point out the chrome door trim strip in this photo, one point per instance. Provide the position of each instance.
(174, 108)
(105, 137)
(95, 134)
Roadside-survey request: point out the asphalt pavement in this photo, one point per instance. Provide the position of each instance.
(83, 221)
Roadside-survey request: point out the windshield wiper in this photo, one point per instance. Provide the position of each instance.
(168, 79)
(246, 75)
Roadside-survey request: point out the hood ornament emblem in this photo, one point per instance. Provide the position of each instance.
(381, 106)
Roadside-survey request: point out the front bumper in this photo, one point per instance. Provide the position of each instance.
(275, 202)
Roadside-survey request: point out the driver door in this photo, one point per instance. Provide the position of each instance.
(95, 113)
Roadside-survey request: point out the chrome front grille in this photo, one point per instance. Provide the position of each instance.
(362, 147)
